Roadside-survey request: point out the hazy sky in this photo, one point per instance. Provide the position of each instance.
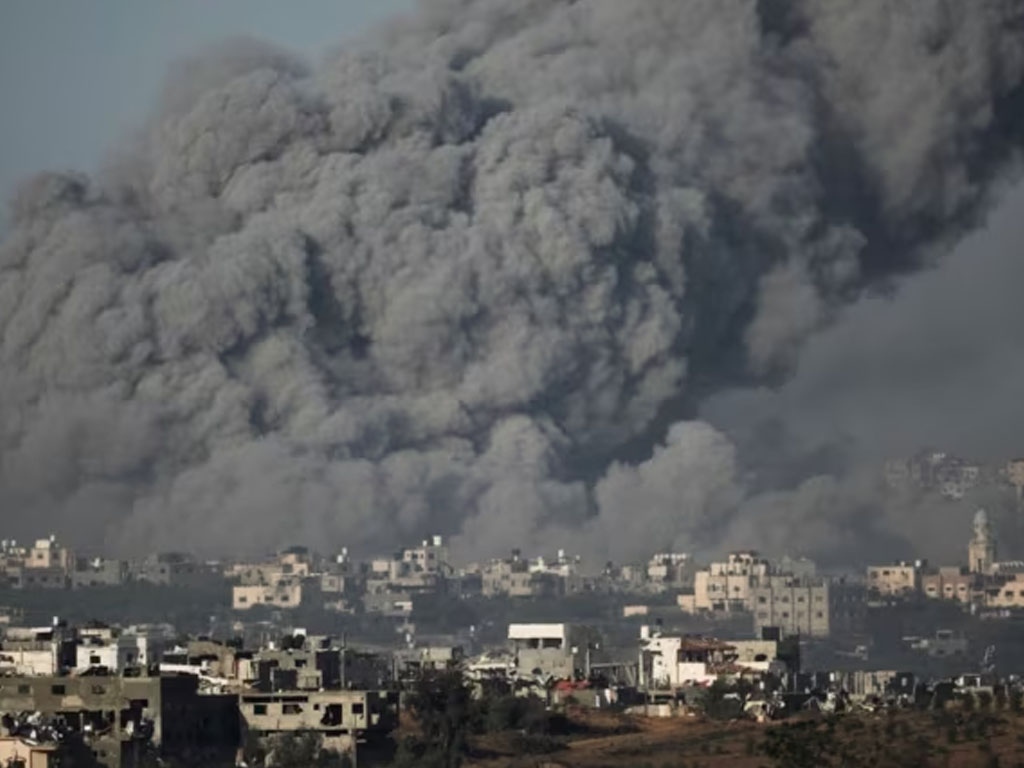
(75, 74)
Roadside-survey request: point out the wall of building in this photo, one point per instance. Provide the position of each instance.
(898, 579)
(337, 716)
(244, 597)
(795, 607)
(14, 751)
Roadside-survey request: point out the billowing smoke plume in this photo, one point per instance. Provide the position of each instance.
(461, 278)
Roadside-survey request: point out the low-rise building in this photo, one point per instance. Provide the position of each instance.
(115, 654)
(1005, 592)
(174, 569)
(37, 650)
(279, 595)
(951, 583)
(343, 719)
(671, 570)
(671, 662)
(47, 554)
(119, 718)
(901, 579)
(546, 650)
(512, 577)
(99, 572)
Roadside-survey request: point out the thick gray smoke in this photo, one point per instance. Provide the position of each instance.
(462, 277)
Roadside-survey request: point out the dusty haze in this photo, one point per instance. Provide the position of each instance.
(473, 275)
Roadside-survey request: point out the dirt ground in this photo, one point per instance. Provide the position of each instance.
(916, 739)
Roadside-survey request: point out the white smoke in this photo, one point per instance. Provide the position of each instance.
(452, 277)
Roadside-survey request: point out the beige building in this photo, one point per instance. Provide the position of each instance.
(282, 595)
(950, 583)
(1006, 594)
(47, 553)
(341, 718)
(795, 606)
(512, 578)
(430, 557)
(727, 586)
(15, 751)
(896, 579)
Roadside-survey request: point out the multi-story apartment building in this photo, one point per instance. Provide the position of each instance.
(343, 719)
(796, 606)
(901, 579)
(951, 583)
(284, 594)
(727, 586)
(120, 718)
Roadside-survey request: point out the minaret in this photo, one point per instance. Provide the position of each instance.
(981, 552)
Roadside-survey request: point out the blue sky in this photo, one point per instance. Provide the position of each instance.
(77, 75)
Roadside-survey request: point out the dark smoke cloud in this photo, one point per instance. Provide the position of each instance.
(460, 278)
(937, 362)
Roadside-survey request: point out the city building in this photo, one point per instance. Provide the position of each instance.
(512, 577)
(345, 720)
(173, 569)
(951, 583)
(284, 594)
(795, 606)
(901, 579)
(671, 570)
(37, 650)
(120, 718)
(98, 572)
(669, 662)
(727, 586)
(546, 650)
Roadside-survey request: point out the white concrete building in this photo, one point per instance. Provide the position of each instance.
(670, 662)
(544, 650)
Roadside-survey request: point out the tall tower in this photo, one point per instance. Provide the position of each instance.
(981, 552)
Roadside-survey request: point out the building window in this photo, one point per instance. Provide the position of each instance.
(291, 709)
(99, 690)
(357, 708)
(762, 600)
(800, 599)
(259, 709)
(820, 615)
(785, 614)
(243, 599)
(57, 690)
(23, 689)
